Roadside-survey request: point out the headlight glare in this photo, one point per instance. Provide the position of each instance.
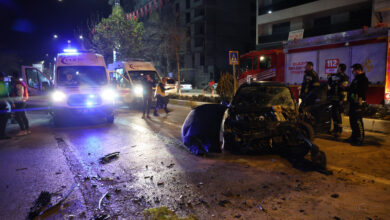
(109, 94)
(58, 96)
(138, 90)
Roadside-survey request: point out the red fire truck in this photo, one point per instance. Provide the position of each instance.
(370, 47)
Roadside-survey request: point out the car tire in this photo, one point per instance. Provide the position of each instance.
(307, 130)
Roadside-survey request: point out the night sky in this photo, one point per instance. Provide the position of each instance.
(27, 26)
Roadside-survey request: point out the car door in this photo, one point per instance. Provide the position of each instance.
(38, 85)
(321, 111)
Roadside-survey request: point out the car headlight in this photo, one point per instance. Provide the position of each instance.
(109, 94)
(138, 90)
(58, 96)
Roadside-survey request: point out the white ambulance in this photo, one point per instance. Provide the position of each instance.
(128, 76)
(82, 87)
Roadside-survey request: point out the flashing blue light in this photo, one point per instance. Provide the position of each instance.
(91, 96)
(69, 50)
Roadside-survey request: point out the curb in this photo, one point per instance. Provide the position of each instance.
(370, 124)
(373, 125)
(187, 103)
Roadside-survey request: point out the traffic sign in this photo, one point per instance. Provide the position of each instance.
(234, 58)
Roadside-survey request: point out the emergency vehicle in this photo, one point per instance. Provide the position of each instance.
(81, 87)
(128, 76)
(369, 47)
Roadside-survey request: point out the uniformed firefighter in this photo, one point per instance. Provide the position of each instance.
(309, 84)
(337, 95)
(357, 99)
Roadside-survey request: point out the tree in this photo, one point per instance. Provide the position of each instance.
(117, 33)
(225, 87)
(164, 39)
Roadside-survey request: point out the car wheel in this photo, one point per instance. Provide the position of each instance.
(232, 146)
(307, 130)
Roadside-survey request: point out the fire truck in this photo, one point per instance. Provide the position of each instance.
(369, 47)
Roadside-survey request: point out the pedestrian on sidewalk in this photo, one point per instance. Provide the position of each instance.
(162, 99)
(19, 95)
(337, 84)
(357, 100)
(147, 85)
(4, 103)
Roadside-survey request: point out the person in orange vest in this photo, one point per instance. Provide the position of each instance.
(19, 94)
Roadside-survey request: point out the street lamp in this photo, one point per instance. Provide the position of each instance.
(55, 36)
(81, 37)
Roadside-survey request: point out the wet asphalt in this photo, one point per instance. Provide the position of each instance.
(154, 169)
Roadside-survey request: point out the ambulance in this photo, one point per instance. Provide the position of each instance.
(128, 76)
(82, 87)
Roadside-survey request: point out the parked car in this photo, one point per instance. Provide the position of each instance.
(185, 86)
(261, 119)
(170, 86)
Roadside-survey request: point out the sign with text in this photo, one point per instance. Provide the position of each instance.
(331, 65)
(233, 58)
(295, 35)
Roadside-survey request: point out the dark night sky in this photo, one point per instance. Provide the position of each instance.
(27, 26)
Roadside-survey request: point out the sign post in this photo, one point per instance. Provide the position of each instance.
(234, 60)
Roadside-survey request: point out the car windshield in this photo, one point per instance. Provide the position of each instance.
(81, 75)
(137, 76)
(264, 96)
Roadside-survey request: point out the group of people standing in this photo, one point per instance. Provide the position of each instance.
(338, 93)
(162, 100)
(14, 95)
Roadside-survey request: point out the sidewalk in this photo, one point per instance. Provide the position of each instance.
(374, 125)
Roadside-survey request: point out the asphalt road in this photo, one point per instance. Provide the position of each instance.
(154, 170)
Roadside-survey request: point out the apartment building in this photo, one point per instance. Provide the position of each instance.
(276, 18)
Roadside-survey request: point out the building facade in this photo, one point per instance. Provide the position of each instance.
(276, 18)
(213, 27)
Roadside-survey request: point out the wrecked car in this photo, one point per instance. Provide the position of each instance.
(261, 119)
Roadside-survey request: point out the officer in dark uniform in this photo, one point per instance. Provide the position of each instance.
(309, 84)
(337, 87)
(357, 98)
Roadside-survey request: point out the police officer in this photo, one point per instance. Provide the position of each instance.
(357, 98)
(337, 84)
(309, 83)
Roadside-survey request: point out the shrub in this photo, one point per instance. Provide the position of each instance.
(225, 88)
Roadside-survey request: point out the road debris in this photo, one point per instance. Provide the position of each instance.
(223, 203)
(109, 157)
(170, 165)
(165, 213)
(261, 208)
(45, 197)
(40, 203)
(160, 184)
(20, 169)
(335, 195)
(101, 199)
(102, 217)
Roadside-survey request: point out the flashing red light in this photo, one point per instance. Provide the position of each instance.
(387, 96)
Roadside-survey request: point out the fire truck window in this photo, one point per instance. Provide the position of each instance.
(246, 64)
(265, 62)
